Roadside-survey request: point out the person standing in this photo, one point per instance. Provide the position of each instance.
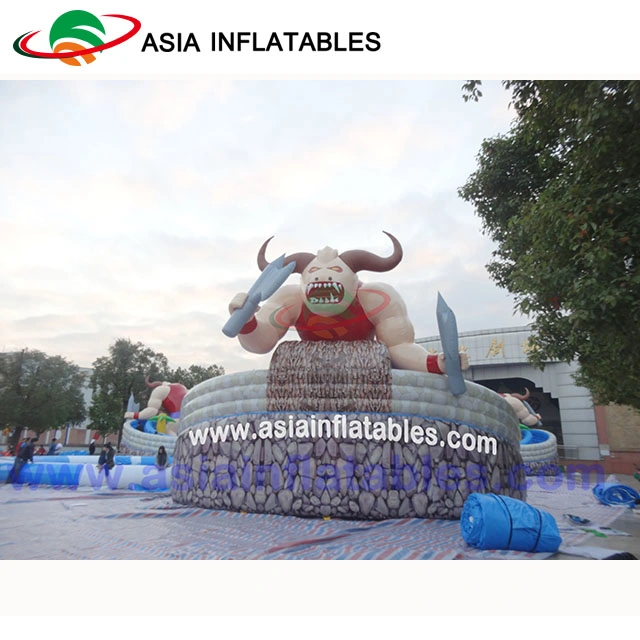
(24, 455)
(92, 447)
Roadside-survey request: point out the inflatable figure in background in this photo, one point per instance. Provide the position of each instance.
(331, 303)
(165, 396)
(523, 410)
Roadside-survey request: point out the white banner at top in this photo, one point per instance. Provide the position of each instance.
(333, 38)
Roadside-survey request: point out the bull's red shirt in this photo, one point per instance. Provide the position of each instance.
(351, 324)
(173, 401)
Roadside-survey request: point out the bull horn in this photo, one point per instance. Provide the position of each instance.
(151, 385)
(358, 260)
(301, 259)
(522, 397)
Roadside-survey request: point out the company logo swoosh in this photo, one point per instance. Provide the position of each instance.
(69, 25)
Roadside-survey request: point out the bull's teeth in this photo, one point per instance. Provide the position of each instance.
(330, 292)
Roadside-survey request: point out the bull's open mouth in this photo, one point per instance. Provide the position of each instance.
(324, 292)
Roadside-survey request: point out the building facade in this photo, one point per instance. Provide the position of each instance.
(609, 435)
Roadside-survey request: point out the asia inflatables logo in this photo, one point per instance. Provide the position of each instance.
(77, 35)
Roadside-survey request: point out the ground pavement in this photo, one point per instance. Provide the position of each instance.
(45, 523)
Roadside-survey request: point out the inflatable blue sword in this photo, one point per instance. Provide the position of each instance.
(270, 280)
(449, 338)
(132, 406)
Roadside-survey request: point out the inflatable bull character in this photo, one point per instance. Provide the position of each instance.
(523, 410)
(331, 303)
(165, 396)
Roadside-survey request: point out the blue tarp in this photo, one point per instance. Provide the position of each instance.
(490, 521)
(614, 494)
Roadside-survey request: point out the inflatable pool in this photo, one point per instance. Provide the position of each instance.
(539, 451)
(73, 475)
(86, 459)
(139, 443)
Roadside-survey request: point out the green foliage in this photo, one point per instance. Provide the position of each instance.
(39, 392)
(116, 376)
(195, 374)
(471, 90)
(122, 373)
(560, 195)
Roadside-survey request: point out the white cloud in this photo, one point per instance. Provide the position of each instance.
(139, 207)
(166, 106)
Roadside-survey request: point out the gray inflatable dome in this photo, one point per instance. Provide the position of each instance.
(331, 430)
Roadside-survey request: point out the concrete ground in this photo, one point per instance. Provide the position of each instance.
(628, 521)
(86, 524)
(45, 523)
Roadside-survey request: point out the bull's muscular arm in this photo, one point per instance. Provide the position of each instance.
(393, 327)
(154, 405)
(521, 411)
(266, 331)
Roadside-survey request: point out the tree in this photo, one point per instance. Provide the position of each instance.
(39, 392)
(116, 376)
(122, 373)
(195, 374)
(560, 195)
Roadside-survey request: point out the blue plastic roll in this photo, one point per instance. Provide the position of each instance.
(490, 521)
(615, 495)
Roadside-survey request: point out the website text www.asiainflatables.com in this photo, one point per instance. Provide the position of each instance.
(341, 427)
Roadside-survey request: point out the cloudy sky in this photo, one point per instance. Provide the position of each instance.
(135, 209)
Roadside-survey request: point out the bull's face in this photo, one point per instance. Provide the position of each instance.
(329, 280)
(328, 285)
